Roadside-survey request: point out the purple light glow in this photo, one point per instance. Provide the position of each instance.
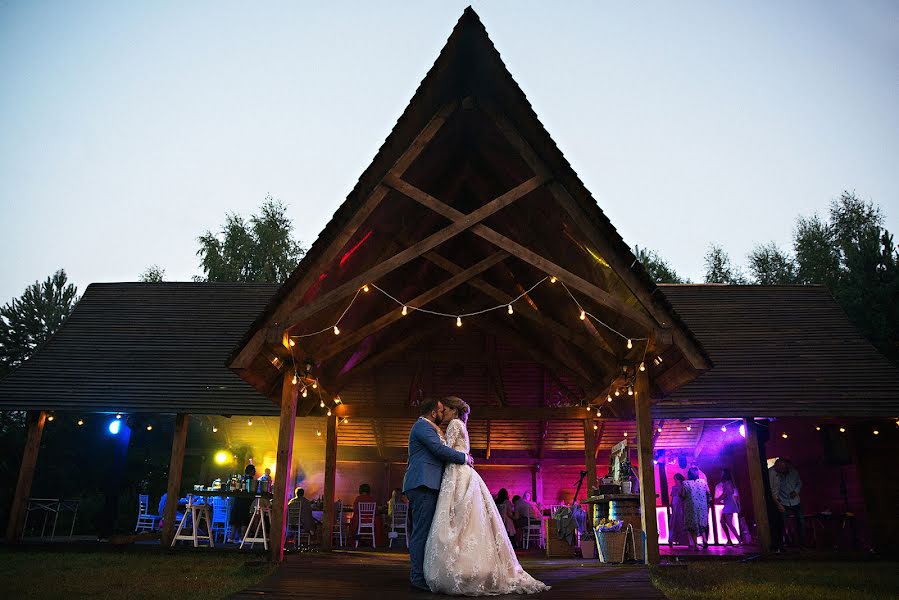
(742, 430)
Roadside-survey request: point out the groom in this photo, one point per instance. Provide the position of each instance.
(424, 473)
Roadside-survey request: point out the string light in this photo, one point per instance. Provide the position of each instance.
(630, 390)
(295, 379)
(50, 417)
(724, 428)
(617, 393)
(510, 309)
(118, 415)
(405, 310)
(305, 392)
(784, 435)
(659, 429)
(329, 412)
(842, 430)
(595, 426)
(337, 400)
(458, 321)
(249, 422)
(642, 366)
(630, 344)
(625, 434)
(583, 314)
(318, 432)
(689, 427)
(215, 429)
(149, 428)
(817, 428)
(609, 398)
(321, 404)
(553, 279)
(365, 288)
(314, 384)
(345, 420)
(80, 422)
(336, 330)
(588, 409)
(876, 432)
(292, 342)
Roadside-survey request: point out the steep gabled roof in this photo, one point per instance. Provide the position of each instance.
(470, 73)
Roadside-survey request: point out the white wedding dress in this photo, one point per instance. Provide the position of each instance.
(468, 551)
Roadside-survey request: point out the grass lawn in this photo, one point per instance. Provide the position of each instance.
(779, 580)
(133, 573)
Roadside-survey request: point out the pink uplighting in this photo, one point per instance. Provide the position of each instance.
(716, 536)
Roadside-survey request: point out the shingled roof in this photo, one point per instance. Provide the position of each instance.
(779, 350)
(145, 347)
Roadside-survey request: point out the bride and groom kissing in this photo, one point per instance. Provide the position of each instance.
(459, 544)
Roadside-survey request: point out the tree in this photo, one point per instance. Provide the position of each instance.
(152, 274)
(817, 259)
(27, 322)
(260, 249)
(718, 268)
(657, 267)
(769, 265)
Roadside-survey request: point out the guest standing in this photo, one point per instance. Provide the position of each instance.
(506, 511)
(677, 533)
(785, 487)
(697, 500)
(241, 512)
(727, 495)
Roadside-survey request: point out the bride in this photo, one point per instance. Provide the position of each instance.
(468, 551)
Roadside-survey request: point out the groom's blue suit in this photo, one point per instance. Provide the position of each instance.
(424, 473)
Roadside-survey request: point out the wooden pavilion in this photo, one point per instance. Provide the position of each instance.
(469, 259)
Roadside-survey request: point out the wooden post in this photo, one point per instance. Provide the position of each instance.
(757, 484)
(284, 460)
(330, 476)
(590, 465)
(647, 472)
(34, 429)
(176, 465)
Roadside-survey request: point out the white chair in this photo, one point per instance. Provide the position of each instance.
(532, 531)
(196, 510)
(339, 532)
(366, 522)
(145, 520)
(261, 511)
(399, 523)
(221, 517)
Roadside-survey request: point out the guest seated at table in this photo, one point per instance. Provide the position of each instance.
(522, 508)
(161, 513)
(365, 496)
(504, 504)
(396, 497)
(307, 520)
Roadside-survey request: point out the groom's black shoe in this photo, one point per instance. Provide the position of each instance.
(416, 588)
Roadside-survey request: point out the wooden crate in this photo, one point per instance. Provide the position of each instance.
(556, 548)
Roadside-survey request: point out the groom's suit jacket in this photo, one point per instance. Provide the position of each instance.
(427, 455)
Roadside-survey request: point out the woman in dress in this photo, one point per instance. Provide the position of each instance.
(468, 551)
(676, 532)
(697, 499)
(727, 495)
(506, 511)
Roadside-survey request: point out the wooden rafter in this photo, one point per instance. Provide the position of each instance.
(599, 434)
(479, 413)
(351, 339)
(390, 351)
(463, 223)
(574, 211)
(544, 264)
(279, 319)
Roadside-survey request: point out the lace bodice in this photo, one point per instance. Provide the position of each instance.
(457, 436)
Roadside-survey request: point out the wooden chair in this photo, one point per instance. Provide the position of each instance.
(339, 532)
(399, 523)
(366, 521)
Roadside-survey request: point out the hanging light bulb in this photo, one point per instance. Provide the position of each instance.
(345, 420)
(321, 404)
(50, 417)
(588, 408)
(724, 428)
(689, 427)
(329, 412)
(625, 434)
(149, 428)
(659, 429)
(214, 429)
(617, 392)
(842, 430)
(630, 390)
(314, 384)
(295, 378)
(80, 422)
(292, 342)
(595, 426)
(249, 422)
(318, 432)
(337, 400)
(598, 414)
(784, 435)
(336, 330)
(583, 314)
(118, 416)
(458, 321)
(876, 432)
(553, 279)
(630, 344)
(365, 288)
(817, 428)
(642, 366)
(405, 311)
(305, 392)
(510, 309)
(609, 398)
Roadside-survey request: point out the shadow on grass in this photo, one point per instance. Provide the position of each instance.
(778, 580)
(45, 573)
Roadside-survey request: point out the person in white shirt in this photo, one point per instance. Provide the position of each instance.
(785, 488)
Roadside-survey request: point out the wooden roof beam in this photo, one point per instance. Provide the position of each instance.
(544, 264)
(279, 319)
(478, 412)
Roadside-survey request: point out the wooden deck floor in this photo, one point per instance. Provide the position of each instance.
(372, 575)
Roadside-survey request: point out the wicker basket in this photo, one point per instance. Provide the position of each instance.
(615, 546)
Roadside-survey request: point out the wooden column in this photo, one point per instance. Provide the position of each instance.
(757, 484)
(34, 429)
(330, 476)
(647, 473)
(176, 465)
(589, 465)
(283, 490)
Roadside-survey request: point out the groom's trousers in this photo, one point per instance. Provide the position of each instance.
(423, 502)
